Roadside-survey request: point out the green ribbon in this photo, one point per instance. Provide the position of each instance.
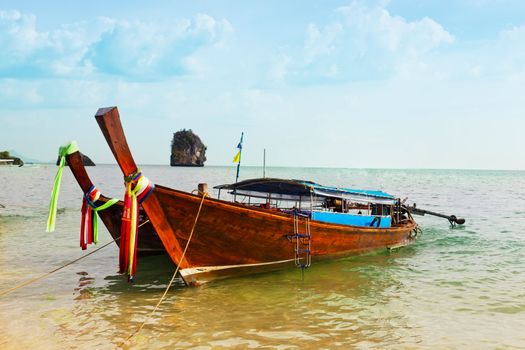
(106, 205)
(62, 153)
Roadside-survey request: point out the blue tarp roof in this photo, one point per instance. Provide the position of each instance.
(372, 193)
(291, 189)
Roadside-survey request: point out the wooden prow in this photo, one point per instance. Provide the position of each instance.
(79, 171)
(108, 120)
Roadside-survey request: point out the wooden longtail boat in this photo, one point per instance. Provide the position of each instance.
(148, 243)
(232, 239)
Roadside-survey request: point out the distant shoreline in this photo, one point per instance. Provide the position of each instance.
(305, 167)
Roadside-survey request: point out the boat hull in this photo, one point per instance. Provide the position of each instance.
(233, 239)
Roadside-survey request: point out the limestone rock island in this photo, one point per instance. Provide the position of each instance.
(187, 149)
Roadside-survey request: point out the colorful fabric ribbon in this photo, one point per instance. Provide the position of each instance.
(63, 151)
(138, 188)
(89, 225)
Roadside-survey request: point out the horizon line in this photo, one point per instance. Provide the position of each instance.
(298, 166)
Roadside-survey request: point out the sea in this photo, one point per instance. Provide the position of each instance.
(457, 287)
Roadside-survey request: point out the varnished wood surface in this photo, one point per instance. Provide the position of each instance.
(232, 234)
(242, 240)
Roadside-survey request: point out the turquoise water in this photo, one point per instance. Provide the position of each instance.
(454, 288)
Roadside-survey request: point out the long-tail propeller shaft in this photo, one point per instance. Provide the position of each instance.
(451, 218)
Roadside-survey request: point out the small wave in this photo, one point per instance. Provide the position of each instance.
(16, 216)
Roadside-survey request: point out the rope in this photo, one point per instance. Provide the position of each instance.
(172, 278)
(10, 290)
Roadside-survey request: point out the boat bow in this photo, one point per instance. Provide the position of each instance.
(148, 244)
(108, 120)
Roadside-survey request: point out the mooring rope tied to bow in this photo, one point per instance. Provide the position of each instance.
(148, 317)
(23, 284)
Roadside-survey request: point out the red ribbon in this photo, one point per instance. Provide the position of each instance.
(86, 227)
(125, 233)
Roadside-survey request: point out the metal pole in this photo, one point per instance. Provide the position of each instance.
(264, 163)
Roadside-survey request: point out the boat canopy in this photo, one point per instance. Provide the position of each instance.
(297, 190)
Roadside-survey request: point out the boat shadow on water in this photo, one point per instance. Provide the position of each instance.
(155, 272)
(339, 291)
(363, 275)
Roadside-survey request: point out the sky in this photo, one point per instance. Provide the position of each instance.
(321, 83)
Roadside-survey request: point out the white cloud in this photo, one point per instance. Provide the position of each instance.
(15, 94)
(150, 51)
(320, 43)
(365, 42)
(136, 50)
(498, 58)
(27, 52)
(393, 33)
(21, 35)
(279, 68)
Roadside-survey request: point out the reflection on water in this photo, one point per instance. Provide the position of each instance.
(455, 288)
(331, 305)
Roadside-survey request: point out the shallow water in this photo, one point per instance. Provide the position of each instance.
(454, 288)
